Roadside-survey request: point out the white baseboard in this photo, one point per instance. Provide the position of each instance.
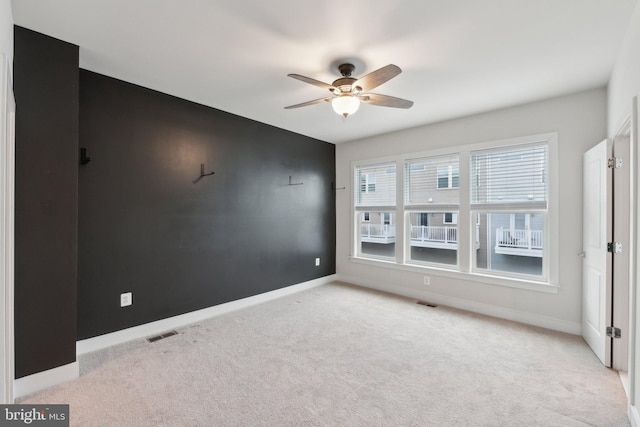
(555, 324)
(164, 325)
(45, 379)
(634, 417)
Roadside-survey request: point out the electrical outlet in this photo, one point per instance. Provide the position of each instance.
(126, 299)
(317, 262)
(427, 280)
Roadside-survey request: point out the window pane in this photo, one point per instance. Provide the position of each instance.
(516, 174)
(432, 180)
(377, 234)
(455, 176)
(432, 240)
(376, 185)
(510, 242)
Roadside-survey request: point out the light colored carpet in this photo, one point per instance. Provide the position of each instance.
(339, 355)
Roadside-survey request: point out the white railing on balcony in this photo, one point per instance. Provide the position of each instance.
(425, 233)
(519, 242)
(377, 233)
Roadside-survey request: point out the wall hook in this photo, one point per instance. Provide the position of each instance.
(294, 183)
(333, 187)
(84, 159)
(202, 171)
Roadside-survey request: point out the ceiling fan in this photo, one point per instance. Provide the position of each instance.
(347, 92)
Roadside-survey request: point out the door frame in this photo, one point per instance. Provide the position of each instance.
(623, 212)
(7, 194)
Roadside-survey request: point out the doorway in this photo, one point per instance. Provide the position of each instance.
(607, 224)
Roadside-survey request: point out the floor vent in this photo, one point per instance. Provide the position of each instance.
(159, 337)
(428, 304)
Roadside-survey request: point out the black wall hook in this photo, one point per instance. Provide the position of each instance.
(84, 159)
(202, 171)
(294, 183)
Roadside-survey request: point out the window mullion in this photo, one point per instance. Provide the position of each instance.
(399, 209)
(464, 215)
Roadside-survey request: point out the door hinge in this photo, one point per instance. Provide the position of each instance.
(614, 247)
(614, 332)
(614, 162)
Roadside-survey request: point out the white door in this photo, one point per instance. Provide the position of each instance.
(596, 264)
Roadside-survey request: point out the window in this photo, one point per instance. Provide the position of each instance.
(432, 234)
(450, 218)
(511, 184)
(483, 210)
(431, 239)
(432, 180)
(375, 210)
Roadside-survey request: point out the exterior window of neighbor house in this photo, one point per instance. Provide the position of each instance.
(375, 203)
(483, 210)
(448, 176)
(368, 183)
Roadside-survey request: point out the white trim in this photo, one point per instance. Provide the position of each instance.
(511, 282)
(159, 326)
(7, 196)
(45, 379)
(547, 322)
(634, 417)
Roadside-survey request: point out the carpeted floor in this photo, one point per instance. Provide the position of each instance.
(339, 355)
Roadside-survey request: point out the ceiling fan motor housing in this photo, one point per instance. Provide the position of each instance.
(346, 69)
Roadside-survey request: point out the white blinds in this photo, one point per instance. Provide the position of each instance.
(375, 185)
(432, 180)
(510, 175)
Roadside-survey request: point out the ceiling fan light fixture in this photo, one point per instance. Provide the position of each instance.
(345, 105)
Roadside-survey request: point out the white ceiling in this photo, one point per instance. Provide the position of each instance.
(458, 57)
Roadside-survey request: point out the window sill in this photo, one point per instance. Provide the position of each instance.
(511, 282)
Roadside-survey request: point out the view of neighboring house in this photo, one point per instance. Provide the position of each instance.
(504, 241)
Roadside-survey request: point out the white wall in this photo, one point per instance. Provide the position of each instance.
(6, 29)
(625, 78)
(579, 119)
(623, 86)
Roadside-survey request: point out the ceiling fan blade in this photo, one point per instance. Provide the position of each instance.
(304, 104)
(377, 77)
(385, 100)
(311, 81)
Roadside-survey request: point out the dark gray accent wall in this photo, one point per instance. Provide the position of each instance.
(149, 225)
(46, 203)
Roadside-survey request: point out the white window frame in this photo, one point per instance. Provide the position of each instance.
(454, 218)
(355, 229)
(467, 218)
